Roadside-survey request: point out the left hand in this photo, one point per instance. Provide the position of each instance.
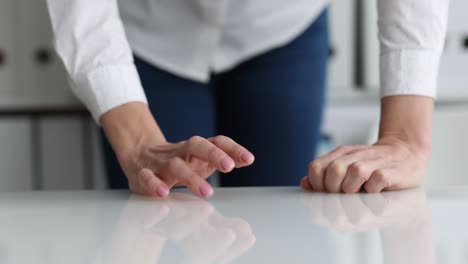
(389, 164)
(398, 160)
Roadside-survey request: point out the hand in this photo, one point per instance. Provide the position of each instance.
(153, 165)
(398, 160)
(389, 164)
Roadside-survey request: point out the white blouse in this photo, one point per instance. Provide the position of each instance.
(192, 38)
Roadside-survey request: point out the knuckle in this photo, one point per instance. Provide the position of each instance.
(343, 148)
(357, 169)
(144, 176)
(381, 177)
(238, 150)
(315, 169)
(195, 140)
(218, 139)
(213, 152)
(192, 180)
(335, 167)
(172, 164)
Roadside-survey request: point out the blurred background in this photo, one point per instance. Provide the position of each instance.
(48, 140)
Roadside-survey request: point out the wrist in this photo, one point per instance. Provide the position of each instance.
(408, 119)
(128, 126)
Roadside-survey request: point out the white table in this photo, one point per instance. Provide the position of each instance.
(239, 225)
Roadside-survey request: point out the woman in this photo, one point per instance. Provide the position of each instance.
(253, 71)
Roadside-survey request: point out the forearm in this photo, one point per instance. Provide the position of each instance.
(129, 125)
(407, 118)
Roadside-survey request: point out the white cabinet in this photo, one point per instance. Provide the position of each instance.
(39, 78)
(52, 153)
(33, 77)
(61, 153)
(15, 155)
(71, 154)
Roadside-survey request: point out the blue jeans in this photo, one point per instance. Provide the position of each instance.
(271, 104)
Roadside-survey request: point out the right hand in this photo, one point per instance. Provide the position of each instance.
(153, 165)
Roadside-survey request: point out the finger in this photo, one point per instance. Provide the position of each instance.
(150, 184)
(334, 213)
(305, 184)
(187, 216)
(209, 152)
(216, 241)
(379, 204)
(244, 238)
(157, 215)
(338, 168)
(317, 168)
(177, 170)
(239, 248)
(379, 180)
(360, 216)
(359, 172)
(241, 156)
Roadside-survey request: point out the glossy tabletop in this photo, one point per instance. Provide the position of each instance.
(237, 225)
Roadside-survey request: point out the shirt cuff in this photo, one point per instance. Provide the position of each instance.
(108, 87)
(409, 72)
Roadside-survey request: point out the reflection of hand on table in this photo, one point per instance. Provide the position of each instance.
(145, 226)
(403, 219)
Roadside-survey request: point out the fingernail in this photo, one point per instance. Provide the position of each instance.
(162, 191)
(206, 190)
(247, 157)
(227, 164)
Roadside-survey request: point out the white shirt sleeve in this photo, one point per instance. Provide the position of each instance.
(411, 34)
(91, 41)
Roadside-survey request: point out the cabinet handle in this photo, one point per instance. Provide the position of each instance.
(43, 56)
(2, 58)
(331, 52)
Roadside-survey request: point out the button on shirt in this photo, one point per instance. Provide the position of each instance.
(193, 38)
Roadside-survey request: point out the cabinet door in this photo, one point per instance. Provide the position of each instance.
(15, 155)
(341, 64)
(45, 82)
(62, 153)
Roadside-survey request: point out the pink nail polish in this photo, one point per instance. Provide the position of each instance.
(247, 157)
(227, 164)
(206, 190)
(162, 191)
